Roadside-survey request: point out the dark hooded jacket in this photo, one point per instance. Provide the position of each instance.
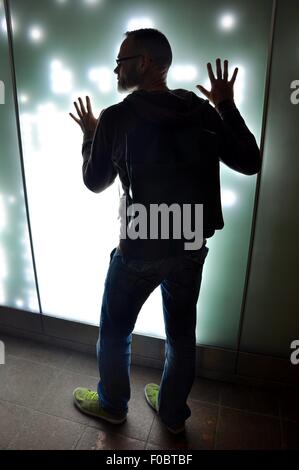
(166, 147)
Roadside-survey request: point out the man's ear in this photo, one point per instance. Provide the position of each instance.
(145, 63)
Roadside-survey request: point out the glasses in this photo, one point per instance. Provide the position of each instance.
(119, 61)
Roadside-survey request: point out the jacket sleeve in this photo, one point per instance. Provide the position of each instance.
(98, 170)
(237, 145)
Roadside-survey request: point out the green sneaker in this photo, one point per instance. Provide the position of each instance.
(88, 402)
(151, 392)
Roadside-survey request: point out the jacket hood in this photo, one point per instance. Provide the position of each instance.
(170, 108)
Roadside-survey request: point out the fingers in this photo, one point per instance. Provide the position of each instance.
(232, 80)
(225, 70)
(219, 72)
(83, 110)
(88, 105)
(218, 69)
(75, 119)
(203, 90)
(210, 72)
(78, 110)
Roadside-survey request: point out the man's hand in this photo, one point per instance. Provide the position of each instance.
(86, 120)
(221, 88)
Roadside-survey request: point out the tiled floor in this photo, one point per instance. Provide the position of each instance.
(37, 412)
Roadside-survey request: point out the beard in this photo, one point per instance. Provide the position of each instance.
(129, 82)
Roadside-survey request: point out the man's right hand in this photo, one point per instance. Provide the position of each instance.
(221, 88)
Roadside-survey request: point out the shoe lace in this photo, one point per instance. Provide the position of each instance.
(91, 395)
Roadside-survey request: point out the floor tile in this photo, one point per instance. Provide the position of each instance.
(289, 403)
(247, 397)
(242, 430)
(206, 390)
(200, 429)
(58, 401)
(44, 432)
(12, 418)
(82, 363)
(290, 435)
(24, 382)
(140, 376)
(94, 439)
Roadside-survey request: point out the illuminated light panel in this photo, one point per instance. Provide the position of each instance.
(3, 220)
(61, 78)
(4, 27)
(35, 33)
(3, 264)
(227, 22)
(3, 24)
(185, 73)
(228, 197)
(2, 296)
(239, 83)
(11, 199)
(103, 77)
(138, 23)
(91, 2)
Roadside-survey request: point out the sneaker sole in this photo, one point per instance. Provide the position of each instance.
(90, 413)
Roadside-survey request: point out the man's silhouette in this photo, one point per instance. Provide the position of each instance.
(165, 145)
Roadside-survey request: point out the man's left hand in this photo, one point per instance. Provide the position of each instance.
(86, 120)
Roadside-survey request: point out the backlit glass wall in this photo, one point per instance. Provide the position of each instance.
(65, 49)
(17, 284)
(271, 314)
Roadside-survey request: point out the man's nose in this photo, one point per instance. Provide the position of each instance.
(116, 69)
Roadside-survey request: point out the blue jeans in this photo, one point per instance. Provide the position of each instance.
(127, 286)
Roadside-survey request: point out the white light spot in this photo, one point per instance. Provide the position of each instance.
(19, 302)
(24, 98)
(35, 33)
(227, 21)
(228, 197)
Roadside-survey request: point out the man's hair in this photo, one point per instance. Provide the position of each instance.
(155, 44)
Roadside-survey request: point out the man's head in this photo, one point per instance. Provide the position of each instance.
(149, 57)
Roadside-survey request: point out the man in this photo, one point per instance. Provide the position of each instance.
(165, 145)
